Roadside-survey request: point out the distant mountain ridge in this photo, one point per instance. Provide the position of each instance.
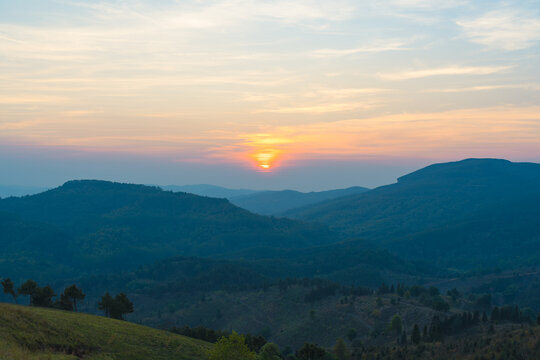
(15, 190)
(278, 202)
(266, 202)
(209, 190)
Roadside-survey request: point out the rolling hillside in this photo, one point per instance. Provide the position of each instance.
(278, 202)
(37, 333)
(86, 225)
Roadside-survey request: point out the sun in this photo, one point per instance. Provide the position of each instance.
(265, 159)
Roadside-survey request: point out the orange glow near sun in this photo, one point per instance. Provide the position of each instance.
(265, 159)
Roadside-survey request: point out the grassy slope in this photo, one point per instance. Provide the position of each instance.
(35, 333)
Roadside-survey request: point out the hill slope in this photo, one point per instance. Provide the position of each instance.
(112, 226)
(32, 333)
(472, 202)
(277, 202)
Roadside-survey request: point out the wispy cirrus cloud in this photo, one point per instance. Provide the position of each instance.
(223, 13)
(443, 71)
(381, 46)
(534, 87)
(503, 29)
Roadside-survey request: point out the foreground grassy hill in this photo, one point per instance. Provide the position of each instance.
(36, 333)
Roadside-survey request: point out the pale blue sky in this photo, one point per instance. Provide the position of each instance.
(209, 91)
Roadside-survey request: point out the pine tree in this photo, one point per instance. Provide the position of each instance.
(415, 336)
(106, 304)
(9, 288)
(29, 288)
(341, 351)
(74, 293)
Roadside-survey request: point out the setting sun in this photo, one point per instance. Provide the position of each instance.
(265, 159)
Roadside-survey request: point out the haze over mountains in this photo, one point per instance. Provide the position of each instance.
(267, 202)
(15, 190)
(278, 202)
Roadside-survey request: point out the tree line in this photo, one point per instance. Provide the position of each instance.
(114, 307)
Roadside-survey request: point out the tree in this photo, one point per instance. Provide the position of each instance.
(341, 351)
(64, 303)
(415, 336)
(28, 288)
(74, 293)
(106, 304)
(38, 296)
(9, 288)
(351, 334)
(231, 348)
(43, 296)
(311, 352)
(403, 340)
(396, 324)
(435, 330)
(121, 306)
(270, 352)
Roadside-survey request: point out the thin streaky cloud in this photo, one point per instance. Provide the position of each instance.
(316, 109)
(503, 29)
(444, 71)
(486, 88)
(390, 46)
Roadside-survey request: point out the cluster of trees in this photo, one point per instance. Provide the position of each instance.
(428, 296)
(115, 307)
(253, 342)
(330, 287)
(234, 347)
(43, 296)
(509, 313)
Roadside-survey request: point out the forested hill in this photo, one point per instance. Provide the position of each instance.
(107, 225)
(473, 207)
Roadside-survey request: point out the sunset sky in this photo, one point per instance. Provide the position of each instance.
(266, 94)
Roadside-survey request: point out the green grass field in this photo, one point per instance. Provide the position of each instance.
(36, 333)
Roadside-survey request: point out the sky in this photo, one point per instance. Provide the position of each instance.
(263, 94)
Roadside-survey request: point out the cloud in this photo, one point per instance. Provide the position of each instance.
(494, 131)
(503, 29)
(426, 4)
(533, 87)
(317, 109)
(445, 71)
(224, 13)
(382, 47)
